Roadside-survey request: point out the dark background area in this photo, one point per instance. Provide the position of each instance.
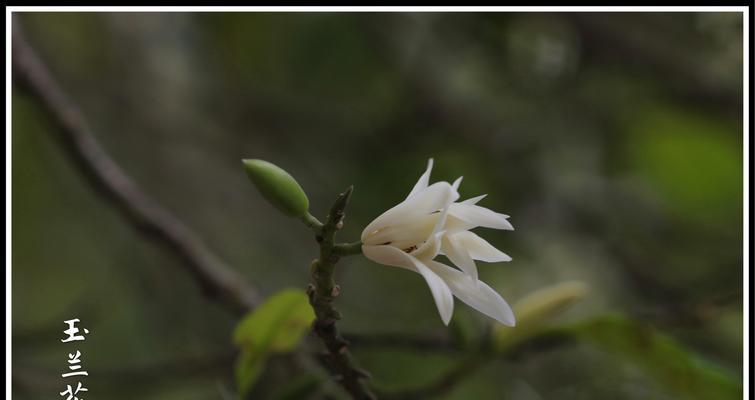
(614, 141)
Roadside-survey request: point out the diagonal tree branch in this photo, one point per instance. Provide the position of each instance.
(216, 278)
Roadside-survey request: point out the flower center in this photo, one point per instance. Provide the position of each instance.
(410, 249)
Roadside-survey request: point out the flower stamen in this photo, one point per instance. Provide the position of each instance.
(410, 249)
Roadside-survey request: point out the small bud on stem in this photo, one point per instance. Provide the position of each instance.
(278, 187)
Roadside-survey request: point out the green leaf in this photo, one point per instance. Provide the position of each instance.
(277, 326)
(536, 309)
(693, 162)
(662, 357)
(249, 366)
(659, 356)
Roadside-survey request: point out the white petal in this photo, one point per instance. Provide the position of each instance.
(444, 300)
(454, 249)
(423, 181)
(477, 295)
(479, 248)
(390, 255)
(457, 182)
(454, 224)
(474, 200)
(387, 255)
(479, 216)
(444, 211)
(429, 249)
(433, 198)
(405, 235)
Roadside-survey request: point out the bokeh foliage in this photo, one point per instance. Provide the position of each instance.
(613, 140)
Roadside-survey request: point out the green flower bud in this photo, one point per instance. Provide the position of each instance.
(278, 187)
(549, 301)
(535, 309)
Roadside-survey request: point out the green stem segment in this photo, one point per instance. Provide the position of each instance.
(311, 222)
(323, 291)
(348, 249)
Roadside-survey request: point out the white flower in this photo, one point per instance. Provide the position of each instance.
(430, 222)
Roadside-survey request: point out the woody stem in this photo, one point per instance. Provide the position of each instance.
(323, 290)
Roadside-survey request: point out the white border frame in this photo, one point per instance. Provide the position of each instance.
(745, 123)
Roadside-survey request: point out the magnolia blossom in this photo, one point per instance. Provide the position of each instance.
(430, 222)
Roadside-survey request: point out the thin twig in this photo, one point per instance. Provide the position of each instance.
(216, 278)
(446, 382)
(476, 359)
(402, 341)
(348, 249)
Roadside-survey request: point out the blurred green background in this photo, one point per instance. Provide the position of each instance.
(614, 141)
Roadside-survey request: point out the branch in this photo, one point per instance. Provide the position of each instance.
(322, 292)
(217, 279)
(446, 382)
(540, 342)
(402, 341)
(348, 249)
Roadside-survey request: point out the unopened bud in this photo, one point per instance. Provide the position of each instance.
(278, 187)
(549, 301)
(536, 308)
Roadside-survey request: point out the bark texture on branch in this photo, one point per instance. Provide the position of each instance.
(322, 292)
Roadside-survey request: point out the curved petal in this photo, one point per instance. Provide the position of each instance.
(433, 198)
(477, 295)
(454, 249)
(433, 240)
(479, 249)
(429, 249)
(444, 300)
(423, 181)
(443, 214)
(474, 200)
(457, 182)
(454, 225)
(390, 255)
(405, 235)
(475, 215)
